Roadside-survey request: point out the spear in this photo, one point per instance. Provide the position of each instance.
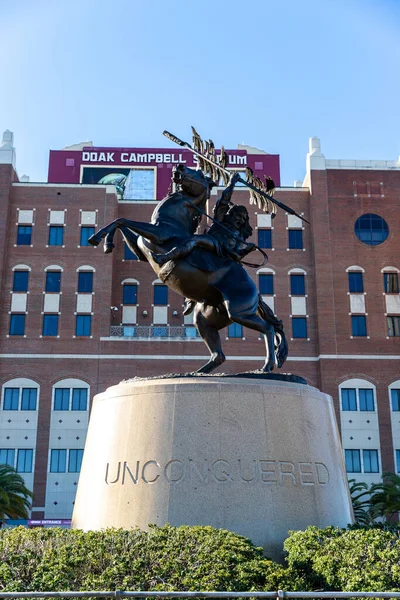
(180, 142)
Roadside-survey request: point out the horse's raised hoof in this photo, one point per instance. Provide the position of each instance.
(95, 239)
(108, 248)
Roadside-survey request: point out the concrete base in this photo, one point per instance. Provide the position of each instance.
(255, 457)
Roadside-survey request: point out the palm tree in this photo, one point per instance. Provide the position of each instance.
(15, 498)
(385, 497)
(361, 498)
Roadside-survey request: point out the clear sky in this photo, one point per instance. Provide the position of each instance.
(267, 73)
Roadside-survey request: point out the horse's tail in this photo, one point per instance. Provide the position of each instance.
(266, 313)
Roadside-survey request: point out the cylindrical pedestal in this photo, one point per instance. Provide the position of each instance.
(257, 457)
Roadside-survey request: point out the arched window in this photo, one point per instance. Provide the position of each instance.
(71, 394)
(20, 394)
(266, 281)
(357, 395)
(356, 281)
(129, 291)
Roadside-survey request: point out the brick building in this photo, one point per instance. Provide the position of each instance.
(75, 321)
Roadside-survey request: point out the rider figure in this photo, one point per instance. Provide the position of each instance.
(227, 241)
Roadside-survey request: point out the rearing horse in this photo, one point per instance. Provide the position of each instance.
(223, 295)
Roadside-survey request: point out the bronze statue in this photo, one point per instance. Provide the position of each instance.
(207, 268)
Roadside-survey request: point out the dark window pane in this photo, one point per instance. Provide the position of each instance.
(353, 461)
(160, 294)
(128, 254)
(395, 396)
(24, 461)
(266, 284)
(53, 281)
(11, 399)
(85, 282)
(393, 325)
(83, 325)
(17, 324)
(20, 283)
(29, 396)
(75, 461)
(297, 285)
(235, 330)
(24, 235)
(129, 294)
(86, 232)
(7, 456)
(359, 326)
(371, 229)
(50, 325)
(295, 239)
(160, 331)
(56, 235)
(61, 399)
(391, 283)
(398, 461)
(349, 401)
(299, 327)
(58, 461)
(356, 285)
(79, 399)
(370, 460)
(265, 238)
(366, 399)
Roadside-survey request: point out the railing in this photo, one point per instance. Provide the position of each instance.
(279, 595)
(183, 332)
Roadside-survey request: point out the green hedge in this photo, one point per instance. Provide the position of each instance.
(196, 558)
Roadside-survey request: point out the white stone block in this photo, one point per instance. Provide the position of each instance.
(18, 302)
(129, 315)
(57, 217)
(84, 303)
(357, 303)
(294, 222)
(25, 217)
(264, 220)
(88, 217)
(51, 303)
(392, 304)
(270, 301)
(160, 315)
(298, 305)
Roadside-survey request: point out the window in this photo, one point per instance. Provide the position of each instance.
(129, 294)
(356, 285)
(139, 185)
(299, 327)
(265, 238)
(359, 326)
(53, 281)
(295, 239)
(50, 325)
(85, 282)
(29, 397)
(235, 330)
(20, 283)
(366, 399)
(58, 461)
(61, 399)
(349, 401)
(24, 461)
(11, 398)
(160, 295)
(17, 324)
(395, 397)
(371, 229)
(7, 456)
(128, 254)
(352, 460)
(56, 235)
(79, 399)
(393, 325)
(266, 284)
(190, 331)
(24, 235)
(370, 460)
(297, 285)
(83, 325)
(397, 461)
(391, 283)
(86, 232)
(75, 461)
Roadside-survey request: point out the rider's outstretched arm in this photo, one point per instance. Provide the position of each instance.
(222, 205)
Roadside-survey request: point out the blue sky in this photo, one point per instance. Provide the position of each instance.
(268, 73)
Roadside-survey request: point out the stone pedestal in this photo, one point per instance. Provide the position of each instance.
(257, 457)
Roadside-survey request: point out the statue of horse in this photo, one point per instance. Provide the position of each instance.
(223, 291)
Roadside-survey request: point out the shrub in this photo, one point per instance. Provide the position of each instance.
(164, 558)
